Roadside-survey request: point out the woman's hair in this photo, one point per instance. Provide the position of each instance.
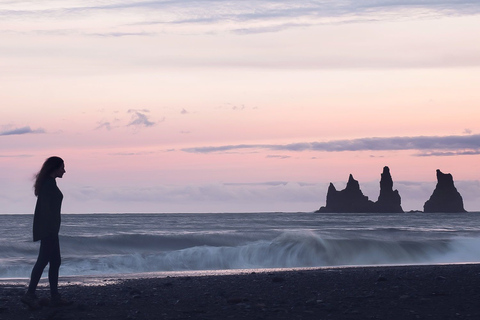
(49, 166)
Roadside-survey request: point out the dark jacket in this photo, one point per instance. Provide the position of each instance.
(46, 221)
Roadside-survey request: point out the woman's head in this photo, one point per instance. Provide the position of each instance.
(52, 167)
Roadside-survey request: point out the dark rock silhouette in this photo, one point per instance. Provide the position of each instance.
(389, 200)
(445, 197)
(350, 199)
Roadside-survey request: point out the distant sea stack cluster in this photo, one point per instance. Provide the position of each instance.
(445, 197)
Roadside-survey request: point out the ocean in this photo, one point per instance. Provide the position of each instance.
(114, 244)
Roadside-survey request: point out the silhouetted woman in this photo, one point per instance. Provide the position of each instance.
(46, 225)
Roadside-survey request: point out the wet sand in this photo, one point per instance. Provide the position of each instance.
(397, 292)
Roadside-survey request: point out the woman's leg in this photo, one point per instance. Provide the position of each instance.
(55, 262)
(42, 261)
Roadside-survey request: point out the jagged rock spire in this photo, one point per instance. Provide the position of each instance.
(445, 197)
(389, 200)
(351, 199)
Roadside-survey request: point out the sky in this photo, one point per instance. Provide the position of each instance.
(237, 105)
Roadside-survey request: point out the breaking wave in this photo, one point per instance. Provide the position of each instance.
(136, 253)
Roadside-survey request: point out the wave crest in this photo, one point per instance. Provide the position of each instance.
(150, 253)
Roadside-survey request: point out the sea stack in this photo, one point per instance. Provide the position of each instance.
(389, 200)
(350, 199)
(445, 197)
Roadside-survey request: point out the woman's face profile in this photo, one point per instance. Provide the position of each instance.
(59, 172)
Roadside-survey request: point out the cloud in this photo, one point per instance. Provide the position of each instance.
(20, 131)
(184, 111)
(16, 156)
(466, 144)
(143, 153)
(234, 107)
(449, 153)
(107, 125)
(140, 119)
(269, 29)
(254, 16)
(208, 11)
(246, 197)
(277, 156)
(216, 197)
(139, 19)
(124, 34)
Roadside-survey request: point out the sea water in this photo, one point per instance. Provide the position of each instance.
(109, 244)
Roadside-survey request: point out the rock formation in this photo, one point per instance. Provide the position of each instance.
(350, 199)
(445, 197)
(389, 200)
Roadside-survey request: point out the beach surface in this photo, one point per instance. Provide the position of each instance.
(385, 292)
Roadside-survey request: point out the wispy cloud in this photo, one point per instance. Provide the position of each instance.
(120, 21)
(466, 144)
(213, 193)
(16, 156)
(267, 196)
(105, 124)
(140, 118)
(278, 156)
(254, 16)
(235, 107)
(448, 153)
(20, 131)
(124, 34)
(143, 153)
(247, 10)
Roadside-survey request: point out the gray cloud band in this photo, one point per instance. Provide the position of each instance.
(454, 144)
(23, 130)
(241, 11)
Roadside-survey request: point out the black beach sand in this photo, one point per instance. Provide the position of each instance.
(394, 292)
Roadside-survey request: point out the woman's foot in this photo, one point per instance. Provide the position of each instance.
(31, 301)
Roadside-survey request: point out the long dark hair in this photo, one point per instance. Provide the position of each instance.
(49, 166)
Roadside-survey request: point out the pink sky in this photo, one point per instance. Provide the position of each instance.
(132, 94)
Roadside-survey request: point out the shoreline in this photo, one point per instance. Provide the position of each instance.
(92, 279)
(447, 291)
